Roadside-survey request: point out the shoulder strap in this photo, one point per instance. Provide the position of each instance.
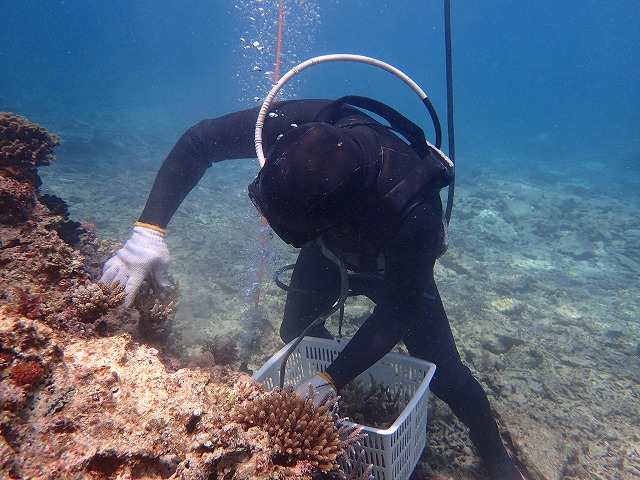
(397, 122)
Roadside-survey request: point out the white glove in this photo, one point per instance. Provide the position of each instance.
(322, 385)
(144, 254)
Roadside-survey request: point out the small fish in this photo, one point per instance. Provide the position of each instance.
(256, 69)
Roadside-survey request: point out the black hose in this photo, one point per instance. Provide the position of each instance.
(450, 129)
(338, 305)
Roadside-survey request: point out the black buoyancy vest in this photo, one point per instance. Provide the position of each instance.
(401, 173)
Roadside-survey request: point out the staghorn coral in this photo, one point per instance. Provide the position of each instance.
(162, 310)
(92, 300)
(305, 439)
(374, 406)
(360, 470)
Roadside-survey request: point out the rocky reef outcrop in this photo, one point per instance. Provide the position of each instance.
(24, 146)
(47, 261)
(85, 389)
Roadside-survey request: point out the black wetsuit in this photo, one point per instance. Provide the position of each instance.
(408, 306)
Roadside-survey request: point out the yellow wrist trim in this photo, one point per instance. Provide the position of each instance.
(152, 227)
(329, 380)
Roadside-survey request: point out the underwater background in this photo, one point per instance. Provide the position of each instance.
(543, 271)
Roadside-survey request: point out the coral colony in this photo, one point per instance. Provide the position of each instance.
(84, 392)
(304, 436)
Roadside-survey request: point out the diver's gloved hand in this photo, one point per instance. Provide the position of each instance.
(144, 254)
(322, 385)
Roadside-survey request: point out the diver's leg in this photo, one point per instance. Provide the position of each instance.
(431, 339)
(315, 286)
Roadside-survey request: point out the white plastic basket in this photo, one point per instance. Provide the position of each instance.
(394, 451)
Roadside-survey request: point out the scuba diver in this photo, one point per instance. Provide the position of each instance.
(337, 179)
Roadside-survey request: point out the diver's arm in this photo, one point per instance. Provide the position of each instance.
(210, 141)
(409, 262)
(231, 136)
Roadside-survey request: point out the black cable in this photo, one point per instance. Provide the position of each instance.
(338, 305)
(450, 130)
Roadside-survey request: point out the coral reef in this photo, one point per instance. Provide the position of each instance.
(16, 199)
(109, 408)
(45, 258)
(47, 261)
(24, 146)
(28, 357)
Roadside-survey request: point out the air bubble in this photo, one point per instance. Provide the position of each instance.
(256, 69)
(273, 114)
(257, 99)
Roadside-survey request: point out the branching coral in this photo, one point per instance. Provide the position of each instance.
(302, 436)
(374, 406)
(156, 306)
(93, 300)
(161, 310)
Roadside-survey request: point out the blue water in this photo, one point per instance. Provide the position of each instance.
(552, 86)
